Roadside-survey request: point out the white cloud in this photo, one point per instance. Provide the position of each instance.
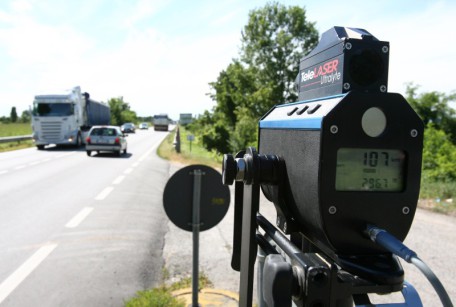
(141, 10)
(21, 5)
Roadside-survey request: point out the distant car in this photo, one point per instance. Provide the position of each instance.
(128, 128)
(144, 126)
(106, 138)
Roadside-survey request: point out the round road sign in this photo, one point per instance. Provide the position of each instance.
(178, 197)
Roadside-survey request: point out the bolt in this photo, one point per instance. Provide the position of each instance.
(414, 133)
(332, 210)
(348, 46)
(385, 49)
(334, 129)
(383, 88)
(406, 210)
(285, 227)
(346, 86)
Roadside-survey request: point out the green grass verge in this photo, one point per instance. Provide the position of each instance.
(15, 129)
(438, 197)
(162, 296)
(16, 145)
(156, 297)
(196, 154)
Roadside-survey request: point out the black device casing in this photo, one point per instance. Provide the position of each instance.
(344, 60)
(306, 142)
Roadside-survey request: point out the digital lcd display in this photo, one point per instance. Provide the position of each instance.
(370, 169)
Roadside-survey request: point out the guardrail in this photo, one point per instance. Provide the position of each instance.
(15, 138)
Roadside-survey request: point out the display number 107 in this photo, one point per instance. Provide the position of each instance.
(373, 158)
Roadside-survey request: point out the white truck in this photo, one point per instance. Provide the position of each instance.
(161, 122)
(65, 119)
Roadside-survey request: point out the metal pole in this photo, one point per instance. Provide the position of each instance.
(196, 228)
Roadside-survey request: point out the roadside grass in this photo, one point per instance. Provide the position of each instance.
(163, 294)
(16, 145)
(438, 197)
(15, 129)
(196, 154)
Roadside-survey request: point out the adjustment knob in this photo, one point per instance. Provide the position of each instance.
(277, 281)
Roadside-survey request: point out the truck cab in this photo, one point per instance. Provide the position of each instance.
(65, 119)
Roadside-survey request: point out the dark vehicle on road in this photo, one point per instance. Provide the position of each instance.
(161, 122)
(128, 128)
(106, 138)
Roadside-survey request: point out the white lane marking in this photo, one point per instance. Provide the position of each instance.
(19, 167)
(34, 163)
(3, 172)
(118, 180)
(75, 221)
(144, 156)
(104, 193)
(147, 154)
(46, 160)
(135, 164)
(18, 276)
(128, 170)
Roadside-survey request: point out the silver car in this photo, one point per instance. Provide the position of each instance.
(144, 126)
(106, 138)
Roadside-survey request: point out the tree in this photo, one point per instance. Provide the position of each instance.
(213, 133)
(26, 116)
(245, 133)
(120, 111)
(439, 155)
(232, 89)
(13, 115)
(433, 107)
(274, 40)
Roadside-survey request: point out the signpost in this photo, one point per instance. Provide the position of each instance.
(196, 200)
(190, 138)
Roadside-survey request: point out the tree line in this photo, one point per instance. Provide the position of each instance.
(274, 40)
(15, 118)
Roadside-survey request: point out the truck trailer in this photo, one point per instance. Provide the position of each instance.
(161, 122)
(65, 119)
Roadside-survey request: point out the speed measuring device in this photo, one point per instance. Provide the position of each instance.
(349, 160)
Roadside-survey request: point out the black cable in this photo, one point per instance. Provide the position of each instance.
(434, 280)
(395, 246)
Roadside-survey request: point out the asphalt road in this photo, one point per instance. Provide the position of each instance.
(78, 230)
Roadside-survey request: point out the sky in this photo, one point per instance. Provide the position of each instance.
(161, 55)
